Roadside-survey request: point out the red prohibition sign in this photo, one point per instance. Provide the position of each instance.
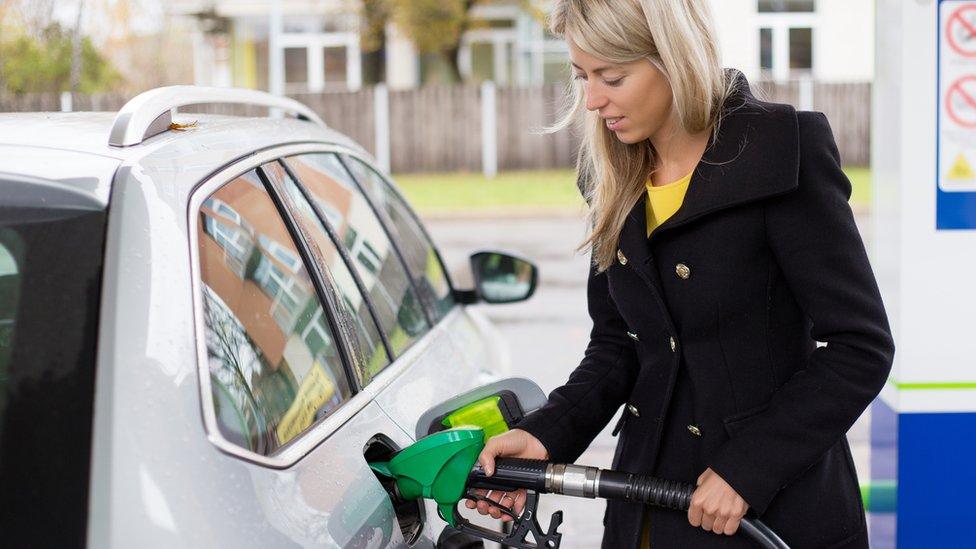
(957, 91)
(963, 22)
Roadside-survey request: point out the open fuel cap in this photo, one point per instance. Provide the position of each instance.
(436, 467)
(485, 413)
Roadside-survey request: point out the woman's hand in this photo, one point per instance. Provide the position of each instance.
(715, 506)
(514, 443)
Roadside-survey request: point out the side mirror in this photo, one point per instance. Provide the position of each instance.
(503, 278)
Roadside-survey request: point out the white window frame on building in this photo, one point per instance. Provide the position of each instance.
(536, 48)
(780, 24)
(519, 52)
(502, 41)
(315, 45)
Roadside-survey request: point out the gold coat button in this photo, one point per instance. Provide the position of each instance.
(633, 336)
(621, 257)
(674, 344)
(682, 271)
(694, 430)
(633, 410)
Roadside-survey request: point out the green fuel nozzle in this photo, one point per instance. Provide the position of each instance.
(443, 467)
(436, 467)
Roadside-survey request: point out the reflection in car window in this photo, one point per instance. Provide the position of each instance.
(371, 355)
(417, 249)
(399, 311)
(274, 365)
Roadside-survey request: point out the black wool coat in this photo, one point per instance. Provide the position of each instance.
(707, 334)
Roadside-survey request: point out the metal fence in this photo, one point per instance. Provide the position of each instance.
(482, 128)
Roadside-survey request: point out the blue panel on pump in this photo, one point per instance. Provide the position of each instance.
(936, 475)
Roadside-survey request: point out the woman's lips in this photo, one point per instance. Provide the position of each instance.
(613, 124)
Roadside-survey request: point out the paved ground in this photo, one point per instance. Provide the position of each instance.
(548, 333)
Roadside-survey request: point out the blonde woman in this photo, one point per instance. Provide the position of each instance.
(723, 249)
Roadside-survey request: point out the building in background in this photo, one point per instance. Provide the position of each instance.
(320, 39)
(514, 48)
(321, 42)
(825, 40)
(822, 40)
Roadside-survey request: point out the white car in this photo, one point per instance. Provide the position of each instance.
(208, 328)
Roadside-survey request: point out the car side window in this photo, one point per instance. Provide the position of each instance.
(275, 368)
(371, 357)
(399, 310)
(421, 257)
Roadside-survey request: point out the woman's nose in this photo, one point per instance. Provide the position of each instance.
(594, 99)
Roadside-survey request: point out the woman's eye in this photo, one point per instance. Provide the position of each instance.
(579, 77)
(613, 83)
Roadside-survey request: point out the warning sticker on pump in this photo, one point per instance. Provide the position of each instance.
(957, 96)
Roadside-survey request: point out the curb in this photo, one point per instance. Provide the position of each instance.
(487, 214)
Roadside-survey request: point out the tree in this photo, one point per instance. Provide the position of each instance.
(147, 58)
(374, 16)
(434, 26)
(31, 65)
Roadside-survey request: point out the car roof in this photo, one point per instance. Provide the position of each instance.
(73, 148)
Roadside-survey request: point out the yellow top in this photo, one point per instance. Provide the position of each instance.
(663, 201)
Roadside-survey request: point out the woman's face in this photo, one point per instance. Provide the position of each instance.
(634, 99)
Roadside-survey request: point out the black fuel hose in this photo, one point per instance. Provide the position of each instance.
(591, 482)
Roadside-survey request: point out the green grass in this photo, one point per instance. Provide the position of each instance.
(543, 190)
(860, 187)
(461, 191)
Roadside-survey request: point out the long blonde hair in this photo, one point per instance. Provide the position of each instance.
(678, 38)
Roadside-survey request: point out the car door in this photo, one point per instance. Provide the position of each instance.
(289, 339)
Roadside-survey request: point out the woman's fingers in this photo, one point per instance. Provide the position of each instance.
(719, 525)
(514, 443)
(716, 506)
(496, 497)
(511, 443)
(721, 521)
(486, 508)
(470, 503)
(695, 512)
(481, 505)
(707, 521)
(731, 527)
(519, 504)
(508, 500)
(493, 448)
(513, 500)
